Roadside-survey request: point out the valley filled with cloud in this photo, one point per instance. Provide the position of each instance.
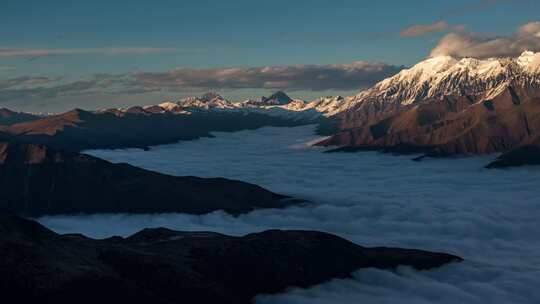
(488, 217)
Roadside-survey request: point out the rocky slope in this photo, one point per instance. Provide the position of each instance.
(165, 266)
(36, 180)
(445, 106)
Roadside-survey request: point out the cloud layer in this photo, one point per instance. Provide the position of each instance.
(488, 217)
(527, 38)
(355, 75)
(26, 81)
(27, 88)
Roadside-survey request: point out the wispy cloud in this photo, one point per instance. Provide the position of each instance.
(26, 81)
(477, 45)
(425, 29)
(6, 52)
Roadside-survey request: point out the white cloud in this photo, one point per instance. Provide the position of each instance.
(489, 217)
(527, 38)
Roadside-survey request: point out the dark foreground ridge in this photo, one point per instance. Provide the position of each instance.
(36, 180)
(166, 266)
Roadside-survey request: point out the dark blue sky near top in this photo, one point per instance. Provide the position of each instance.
(89, 37)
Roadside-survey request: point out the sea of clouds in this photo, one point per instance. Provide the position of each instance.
(489, 217)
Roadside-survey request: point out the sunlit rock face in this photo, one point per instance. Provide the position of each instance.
(442, 76)
(448, 106)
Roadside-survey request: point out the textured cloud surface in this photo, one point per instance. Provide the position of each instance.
(26, 81)
(489, 217)
(27, 88)
(527, 38)
(354, 75)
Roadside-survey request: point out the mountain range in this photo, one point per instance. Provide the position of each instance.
(442, 106)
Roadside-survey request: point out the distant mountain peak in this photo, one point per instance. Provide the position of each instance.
(211, 96)
(6, 111)
(278, 97)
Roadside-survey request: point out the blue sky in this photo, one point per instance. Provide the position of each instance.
(213, 34)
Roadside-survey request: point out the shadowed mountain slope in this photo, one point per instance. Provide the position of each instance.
(36, 180)
(166, 266)
(79, 130)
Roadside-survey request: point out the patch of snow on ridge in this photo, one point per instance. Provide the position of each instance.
(530, 61)
(168, 106)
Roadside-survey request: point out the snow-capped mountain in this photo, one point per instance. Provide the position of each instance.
(447, 106)
(276, 99)
(206, 102)
(185, 106)
(432, 79)
(278, 104)
(331, 105)
(442, 76)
